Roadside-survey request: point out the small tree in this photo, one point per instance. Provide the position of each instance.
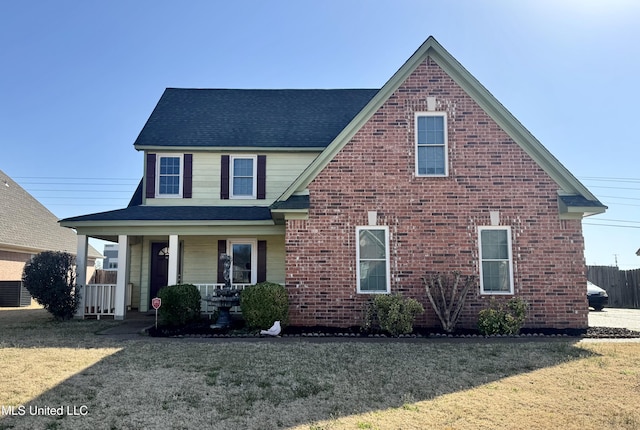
(447, 296)
(50, 279)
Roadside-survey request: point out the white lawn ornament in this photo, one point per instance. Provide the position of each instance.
(274, 330)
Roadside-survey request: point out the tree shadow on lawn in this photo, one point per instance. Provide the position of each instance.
(278, 383)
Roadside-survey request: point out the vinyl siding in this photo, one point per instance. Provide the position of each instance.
(281, 170)
(199, 262)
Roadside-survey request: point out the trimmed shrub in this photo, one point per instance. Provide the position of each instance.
(503, 318)
(180, 304)
(50, 279)
(263, 304)
(393, 313)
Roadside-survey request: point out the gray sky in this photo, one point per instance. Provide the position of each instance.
(78, 80)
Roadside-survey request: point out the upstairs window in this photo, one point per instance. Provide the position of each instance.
(431, 144)
(372, 258)
(243, 177)
(169, 174)
(496, 263)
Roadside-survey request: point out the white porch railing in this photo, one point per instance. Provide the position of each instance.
(99, 300)
(208, 290)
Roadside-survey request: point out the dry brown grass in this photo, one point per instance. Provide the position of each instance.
(291, 383)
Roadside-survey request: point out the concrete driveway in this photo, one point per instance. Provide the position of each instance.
(615, 317)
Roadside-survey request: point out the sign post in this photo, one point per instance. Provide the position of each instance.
(156, 302)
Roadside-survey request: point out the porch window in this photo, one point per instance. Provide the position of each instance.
(431, 144)
(243, 177)
(496, 262)
(372, 256)
(169, 176)
(244, 257)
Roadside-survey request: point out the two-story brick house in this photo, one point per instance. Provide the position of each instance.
(341, 194)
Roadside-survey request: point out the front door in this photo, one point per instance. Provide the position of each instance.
(159, 268)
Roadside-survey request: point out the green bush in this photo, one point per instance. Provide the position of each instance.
(263, 304)
(50, 279)
(503, 318)
(393, 313)
(180, 304)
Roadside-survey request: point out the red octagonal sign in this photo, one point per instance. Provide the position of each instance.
(156, 302)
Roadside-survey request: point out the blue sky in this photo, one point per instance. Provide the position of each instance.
(78, 80)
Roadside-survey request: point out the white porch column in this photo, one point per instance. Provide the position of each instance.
(173, 259)
(121, 283)
(81, 272)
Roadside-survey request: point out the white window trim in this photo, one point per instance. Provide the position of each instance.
(509, 242)
(180, 186)
(446, 144)
(255, 176)
(254, 256)
(387, 259)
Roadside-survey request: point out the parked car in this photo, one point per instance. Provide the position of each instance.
(598, 298)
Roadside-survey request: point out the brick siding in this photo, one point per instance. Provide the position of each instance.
(433, 221)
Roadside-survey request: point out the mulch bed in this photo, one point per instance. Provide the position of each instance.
(203, 329)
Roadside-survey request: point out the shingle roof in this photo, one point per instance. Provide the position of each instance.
(179, 213)
(293, 202)
(255, 118)
(26, 224)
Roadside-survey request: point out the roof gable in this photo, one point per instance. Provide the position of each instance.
(567, 183)
(233, 118)
(29, 226)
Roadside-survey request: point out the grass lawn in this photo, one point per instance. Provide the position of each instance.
(306, 384)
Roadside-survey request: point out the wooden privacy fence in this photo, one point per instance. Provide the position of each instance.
(623, 286)
(104, 277)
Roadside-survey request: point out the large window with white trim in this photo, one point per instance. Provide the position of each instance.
(372, 257)
(243, 177)
(169, 177)
(431, 144)
(496, 262)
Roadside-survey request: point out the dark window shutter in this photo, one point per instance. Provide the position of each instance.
(151, 176)
(224, 178)
(222, 249)
(262, 260)
(187, 177)
(262, 177)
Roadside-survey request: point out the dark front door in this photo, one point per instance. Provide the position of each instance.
(159, 268)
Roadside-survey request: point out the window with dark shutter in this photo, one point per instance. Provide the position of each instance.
(262, 261)
(224, 178)
(187, 177)
(151, 176)
(262, 177)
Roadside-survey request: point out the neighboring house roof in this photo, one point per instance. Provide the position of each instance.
(232, 118)
(569, 185)
(27, 226)
(179, 213)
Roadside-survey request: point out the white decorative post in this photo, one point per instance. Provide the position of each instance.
(81, 272)
(121, 283)
(173, 259)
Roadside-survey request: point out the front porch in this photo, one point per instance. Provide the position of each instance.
(148, 263)
(99, 300)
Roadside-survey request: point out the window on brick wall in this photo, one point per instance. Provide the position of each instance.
(431, 144)
(496, 263)
(372, 255)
